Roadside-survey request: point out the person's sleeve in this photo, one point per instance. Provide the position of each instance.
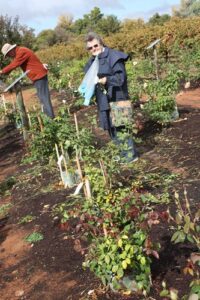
(119, 74)
(20, 58)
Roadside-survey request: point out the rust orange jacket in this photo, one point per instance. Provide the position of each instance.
(27, 60)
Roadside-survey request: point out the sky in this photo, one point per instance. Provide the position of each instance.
(43, 14)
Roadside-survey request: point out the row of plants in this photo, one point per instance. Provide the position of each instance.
(117, 220)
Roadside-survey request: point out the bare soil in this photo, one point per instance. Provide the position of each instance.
(52, 268)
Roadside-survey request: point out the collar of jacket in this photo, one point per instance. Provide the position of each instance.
(101, 55)
(104, 53)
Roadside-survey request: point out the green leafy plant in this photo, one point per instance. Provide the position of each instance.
(6, 185)
(161, 106)
(61, 130)
(186, 223)
(119, 249)
(4, 209)
(195, 287)
(160, 109)
(186, 227)
(34, 237)
(114, 258)
(26, 219)
(168, 293)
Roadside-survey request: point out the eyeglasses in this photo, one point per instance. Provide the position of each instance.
(94, 46)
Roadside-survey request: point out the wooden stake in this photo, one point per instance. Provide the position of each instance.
(103, 171)
(77, 131)
(65, 153)
(81, 174)
(79, 166)
(40, 123)
(14, 106)
(29, 118)
(105, 230)
(64, 159)
(88, 189)
(4, 102)
(56, 146)
(13, 101)
(76, 124)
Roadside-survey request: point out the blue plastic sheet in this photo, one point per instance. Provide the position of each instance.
(87, 86)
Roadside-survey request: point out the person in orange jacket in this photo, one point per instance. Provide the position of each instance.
(37, 72)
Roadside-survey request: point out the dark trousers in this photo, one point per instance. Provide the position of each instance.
(43, 94)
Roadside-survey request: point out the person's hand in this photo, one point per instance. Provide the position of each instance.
(46, 66)
(102, 80)
(1, 72)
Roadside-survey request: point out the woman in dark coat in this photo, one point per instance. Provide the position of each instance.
(111, 86)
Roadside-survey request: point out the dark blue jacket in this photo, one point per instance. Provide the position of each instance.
(111, 66)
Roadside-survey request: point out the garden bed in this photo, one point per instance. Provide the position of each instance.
(52, 267)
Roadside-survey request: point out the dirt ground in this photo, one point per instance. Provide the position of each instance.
(52, 268)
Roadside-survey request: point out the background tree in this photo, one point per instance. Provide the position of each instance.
(62, 35)
(63, 30)
(94, 18)
(27, 37)
(65, 21)
(11, 31)
(129, 25)
(95, 21)
(90, 22)
(157, 19)
(46, 38)
(187, 8)
(109, 25)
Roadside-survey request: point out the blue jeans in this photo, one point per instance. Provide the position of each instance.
(43, 94)
(121, 138)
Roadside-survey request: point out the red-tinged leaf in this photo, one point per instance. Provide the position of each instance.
(153, 215)
(164, 215)
(148, 243)
(64, 226)
(133, 212)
